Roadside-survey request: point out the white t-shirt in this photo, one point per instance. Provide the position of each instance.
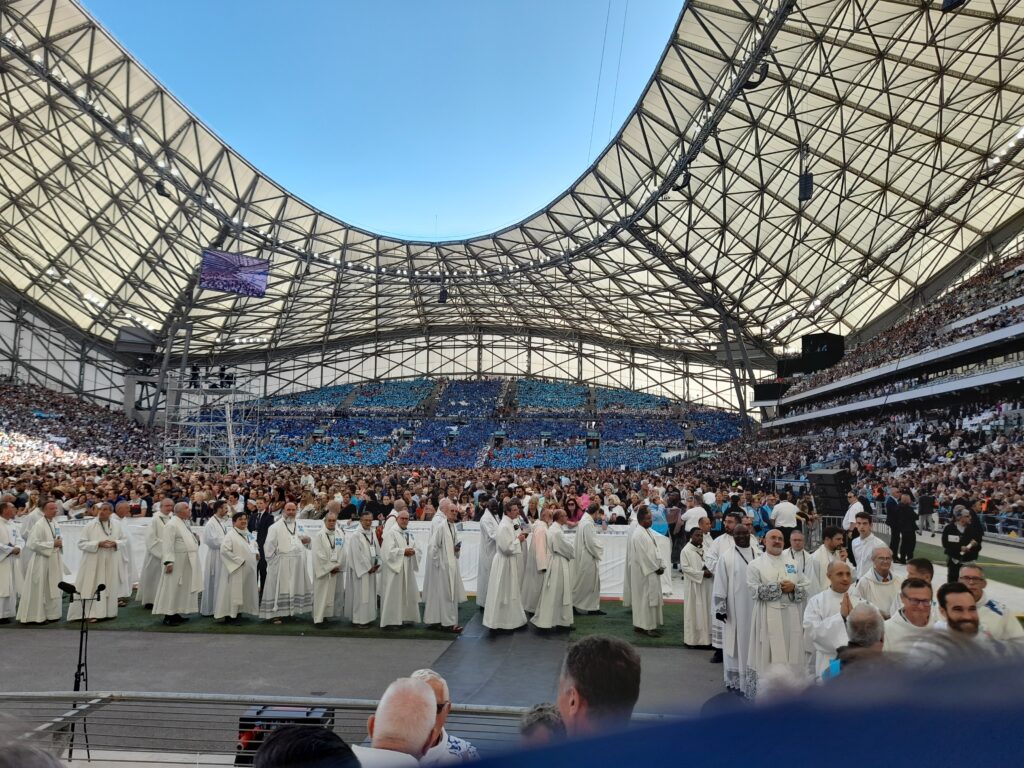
(784, 514)
(691, 516)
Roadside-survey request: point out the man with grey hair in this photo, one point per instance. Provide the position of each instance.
(865, 628)
(540, 726)
(100, 546)
(402, 728)
(182, 578)
(446, 749)
(149, 580)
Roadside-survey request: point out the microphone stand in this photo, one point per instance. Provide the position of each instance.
(82, 668)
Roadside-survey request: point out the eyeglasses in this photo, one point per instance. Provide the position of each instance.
(919, 602)
(441, 705)
(972, 579)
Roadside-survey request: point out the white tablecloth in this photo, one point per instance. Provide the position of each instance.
(612, 564)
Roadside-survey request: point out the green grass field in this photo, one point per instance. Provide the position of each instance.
(618, 623)
(995, 570)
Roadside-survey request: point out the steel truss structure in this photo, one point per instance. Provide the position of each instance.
(685, 236)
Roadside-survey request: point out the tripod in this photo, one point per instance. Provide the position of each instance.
(82, 668)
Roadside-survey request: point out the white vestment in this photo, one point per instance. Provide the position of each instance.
(126, 561)
(237, 587)
(328, 588)
(399, 595)
(819, 576)
(731, 596)
(586, 588)
(712, 554)
(554, 606)
(213, 534)
(152, 566)
(179, 590)
(863, 549)
(361, 591)
(288, 590)
(900, 635)
(776, 631)
(536, 563)
(10, 569)
(880, 594)
(504, 609)
(697, 611)
(444, 591)
(98, 566)
(644, 596)
(824, 626)
(998, 621)
(40, 595)
(488, 530)
(25, 525)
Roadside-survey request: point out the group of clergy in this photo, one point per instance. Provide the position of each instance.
(785, 607)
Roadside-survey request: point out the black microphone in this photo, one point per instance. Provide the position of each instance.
(68, 589)
(100, 588)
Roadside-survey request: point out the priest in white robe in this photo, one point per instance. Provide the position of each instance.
(40, 596)
(825, 617)
(833, 547)
(152, 565)
(697, 584)
(733, 607)
(777, 589)
(400, 596)
(443, 591)
(996, 620)
(879, 586)
(913, 620)
(237, 588)
(488, 532)
(10, 565)
(537, 559)
(126, 558)
(504, 610)
(712, 554)
(554, 606)
(100, 544)
(800, 556)
(362, 564)
(645, 570)
(586, 588)
(216, 528)
(328, 571)
(182, 577)
(25, 525)
(288, 590)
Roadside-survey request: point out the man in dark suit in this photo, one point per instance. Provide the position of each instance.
(259, 523)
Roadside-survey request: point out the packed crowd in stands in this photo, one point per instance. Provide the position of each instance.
(40, 426)
(469, 398)
(929, 328)
(536, 396)
(629, 402)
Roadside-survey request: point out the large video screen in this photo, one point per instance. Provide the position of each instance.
(234, 273)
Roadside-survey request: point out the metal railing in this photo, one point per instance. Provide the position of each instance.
(121, 729)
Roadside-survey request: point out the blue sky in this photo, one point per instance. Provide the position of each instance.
(433, 119)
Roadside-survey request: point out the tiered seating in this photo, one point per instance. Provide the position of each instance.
(391, 396)
(710, 426)
(434, 444)
(468, 398)
(551, 397)
(286, 427)
(627, 401)
(515, 457)
(612, 456)
(535, 429)
(654, 428)
(329, 452)
(373, 427)
(326, 397)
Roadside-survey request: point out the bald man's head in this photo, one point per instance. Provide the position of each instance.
(405, 718)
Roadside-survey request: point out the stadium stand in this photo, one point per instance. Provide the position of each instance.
(391, 396)
(469, 398)
(627, 401)
(535, 396)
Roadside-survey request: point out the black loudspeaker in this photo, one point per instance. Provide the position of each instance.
(821, 350)
(135, 340)
(773, 391)
(259, 721)
(806, 187)
(830, 487)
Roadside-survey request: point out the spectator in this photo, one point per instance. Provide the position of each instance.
(599, 685)
(304, 746)
(446, 749)
(541, 726)
(403, 727)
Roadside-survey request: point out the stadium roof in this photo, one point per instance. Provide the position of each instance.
(687, 225)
